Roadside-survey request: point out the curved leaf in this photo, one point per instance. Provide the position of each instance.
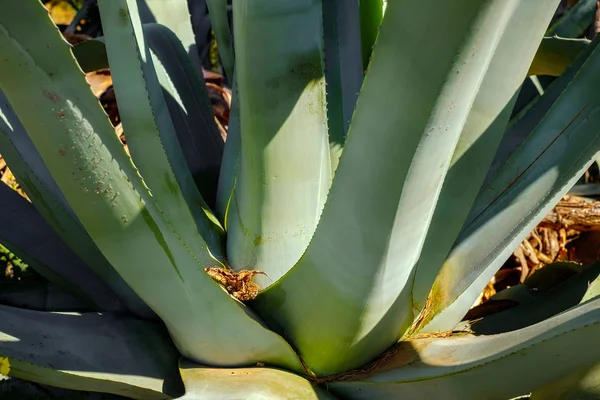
(39, 296)
(584, 384)
(480, 137)
(521, 125)
(189, 107)
(150, 134)
(91, 55)
(32, 174)
(175, 15)
(532, 181)
(575, 21)
(284, 168)
(351, 289)
(203, 383)
(230, 162)
(88, 162)
(485, 367)
(555, 54)
(543, 304)
(92, 352)
(343, 69)
(26, 233)
(220, 24)
(371, 14)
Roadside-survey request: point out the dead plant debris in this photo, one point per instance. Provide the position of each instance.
(569, 232)
(238, 284)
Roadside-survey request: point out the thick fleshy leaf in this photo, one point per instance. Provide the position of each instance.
(555, 54)
(521, 125)
(202, 28)
(371, 14)
(575, 21)
(13, 388)
(24, 231)
(151, 135)
(203, 383)
(28, 167)
(220, 24)
(485, 367)
(189, 107)
(480, 137)
(175, 15)
(284, 171)
(542, 305)
(91, 55)
(352, 287)
(186, 97)
(92, 352)
(343, 69)
(76, 141)
(532, 181)
(584, 384)
(230, 162)
(40, 296)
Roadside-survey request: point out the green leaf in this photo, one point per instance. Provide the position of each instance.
(32, 174)
(543, 304)
(175, 15)
(40, 296)
(485, 367)
(343, 69)
(532, 181)
(91, 55)
(352, 287)
(92, 352)
(187, 100)
(525, 122)
(24, 231)
(555, 54)
(219, 20)
(371, 14)
(203, 383)
(480, 137)
(189, 107)
(575, 21)
(584, 384)
(88, 162)
(151, 136)
(284, 171)
(593, 290)
(231, 158)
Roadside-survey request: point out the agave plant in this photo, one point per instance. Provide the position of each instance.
(371, 184)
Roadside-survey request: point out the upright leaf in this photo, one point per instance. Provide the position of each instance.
(77, 143)
(150, 134)
(284, 169)
(371, 14)
(575, 21)
(220, 24)
(536, 176)
(189, 107)
(28, 167)
(343, 69)
(352, 287)
(231, 160)
(481, 136)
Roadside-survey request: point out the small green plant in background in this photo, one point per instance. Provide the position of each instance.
(368, 190)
